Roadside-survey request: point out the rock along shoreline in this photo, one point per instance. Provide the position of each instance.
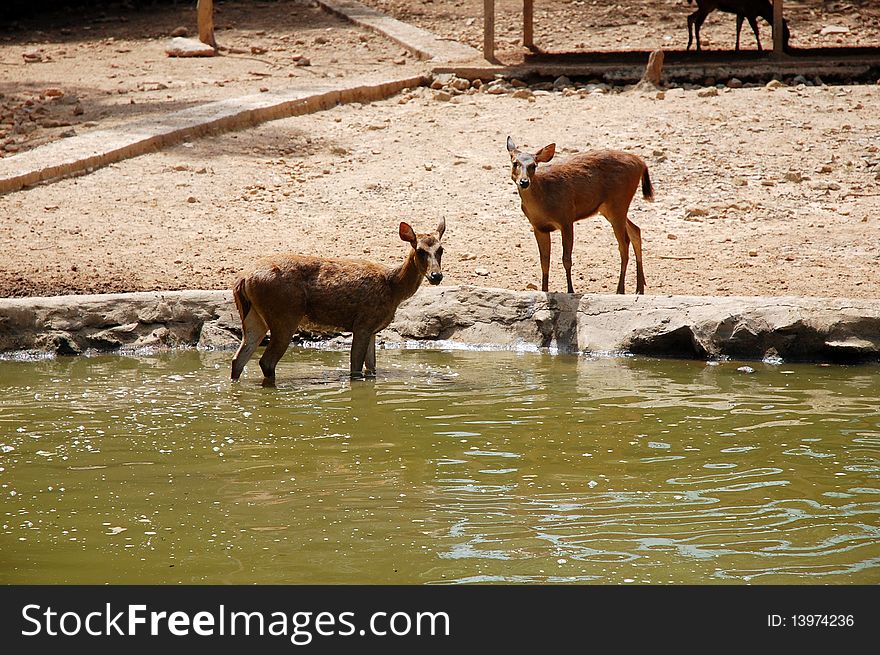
(693, 327)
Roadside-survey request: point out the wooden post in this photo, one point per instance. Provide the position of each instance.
(489, 30)
(528, 24)
(205, 18)
(777, 28)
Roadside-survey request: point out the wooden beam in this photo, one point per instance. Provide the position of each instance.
(489, 30)
(777, 28)
(529, 23)
(205, 19)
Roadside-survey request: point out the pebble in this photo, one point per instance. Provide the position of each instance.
(774, 84)
(753, 253)
(734, 83)
(708, 93)
(523, 93)
(303, 61)
(561, 82)
(180, 31)
(442, 96)
(746, 369)
(482, 271)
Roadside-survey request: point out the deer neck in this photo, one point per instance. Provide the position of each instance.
(406, 278)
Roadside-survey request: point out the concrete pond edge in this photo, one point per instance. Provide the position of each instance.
(694, 327)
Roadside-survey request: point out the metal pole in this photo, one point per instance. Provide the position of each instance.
(528, 23)
(489, 30)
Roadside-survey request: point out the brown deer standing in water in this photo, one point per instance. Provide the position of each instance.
(356, 296)
(554, 197)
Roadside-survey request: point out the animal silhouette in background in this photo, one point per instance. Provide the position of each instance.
(598, 181)
(361, 297)
(749, 10)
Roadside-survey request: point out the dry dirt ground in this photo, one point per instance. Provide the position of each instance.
(110, 67)
(759, 191)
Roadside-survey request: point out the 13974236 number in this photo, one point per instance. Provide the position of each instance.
(822, 620)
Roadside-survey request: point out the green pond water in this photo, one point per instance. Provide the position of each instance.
(450, 467)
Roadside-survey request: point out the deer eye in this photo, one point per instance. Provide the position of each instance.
(423, 254)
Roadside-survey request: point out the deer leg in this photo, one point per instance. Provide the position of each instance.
(623, 247)
(360, 343)
(253, 329)
(698, 17)
(279, 340)
(691, 30)
(754, 23)
(567, 245)
(370, 361)
(739, 24)
(635, 235)
(543, 239)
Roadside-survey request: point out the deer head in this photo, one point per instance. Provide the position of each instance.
(524, 164)
(428, 250)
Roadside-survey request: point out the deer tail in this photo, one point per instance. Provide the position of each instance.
(647, 188)
(242, 302)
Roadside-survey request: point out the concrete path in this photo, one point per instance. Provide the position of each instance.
(85, 153)
(422, 43)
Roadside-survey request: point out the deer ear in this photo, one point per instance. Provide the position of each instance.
(511, 146)
(441, 228)
(546, 153)
(407, 234)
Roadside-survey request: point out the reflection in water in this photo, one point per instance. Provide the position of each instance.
(451, 467)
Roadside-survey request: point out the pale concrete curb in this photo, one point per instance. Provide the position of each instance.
(697, 327)
(93, 150)
(422, 43)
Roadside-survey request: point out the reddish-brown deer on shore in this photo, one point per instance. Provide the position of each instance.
(599, 181)
(361, 297)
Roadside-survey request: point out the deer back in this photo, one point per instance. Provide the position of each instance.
(339, 293)
(578, 186)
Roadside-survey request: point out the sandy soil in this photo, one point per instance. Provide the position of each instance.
(110, 68)
(598, 25)
(759, 191)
